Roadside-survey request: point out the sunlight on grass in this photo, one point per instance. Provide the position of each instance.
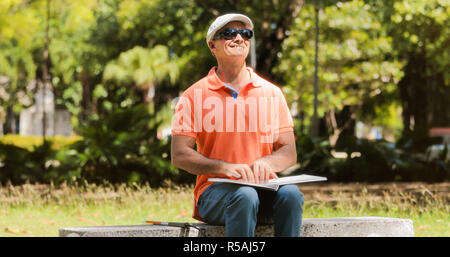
(40, 210)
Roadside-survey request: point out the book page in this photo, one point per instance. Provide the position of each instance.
(274, 183)
(271, 186)
(296, 179)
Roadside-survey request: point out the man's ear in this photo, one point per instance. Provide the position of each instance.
(212, 47)
(211, 44)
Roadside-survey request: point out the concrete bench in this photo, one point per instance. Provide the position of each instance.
(323, 227)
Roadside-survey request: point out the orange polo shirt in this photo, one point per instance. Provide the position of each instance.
(236, 127)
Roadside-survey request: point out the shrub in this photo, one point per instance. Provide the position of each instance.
(19, 165)
(120, 147)
(378, 161)
(29, 142)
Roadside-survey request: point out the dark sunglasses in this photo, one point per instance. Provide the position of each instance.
(230, 33)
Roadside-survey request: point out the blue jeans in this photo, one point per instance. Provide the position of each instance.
(240, 208)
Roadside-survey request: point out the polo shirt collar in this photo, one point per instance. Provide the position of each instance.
(215, 83)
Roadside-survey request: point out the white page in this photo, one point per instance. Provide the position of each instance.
(271, 186)
(296, 179)
(274, 183)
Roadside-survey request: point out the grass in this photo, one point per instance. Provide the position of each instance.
(427, 205)
(40, 210)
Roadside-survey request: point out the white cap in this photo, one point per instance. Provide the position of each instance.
(224, 20)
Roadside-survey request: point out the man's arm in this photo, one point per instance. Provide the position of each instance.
(184, 156)
(284, 157)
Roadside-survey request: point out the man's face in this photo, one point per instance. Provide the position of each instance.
(237, 47)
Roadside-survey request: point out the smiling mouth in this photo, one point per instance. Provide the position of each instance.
(237, 46)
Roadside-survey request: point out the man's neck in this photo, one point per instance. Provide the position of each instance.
(234, 74)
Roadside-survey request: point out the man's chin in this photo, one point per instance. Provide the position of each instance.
(242, 54)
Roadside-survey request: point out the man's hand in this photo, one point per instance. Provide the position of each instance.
(184, 156)
(239, 171)
(262, 171)
(268, 166)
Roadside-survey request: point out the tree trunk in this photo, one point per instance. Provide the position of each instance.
(338, 123)
(273, 32)
(10, 121)
(86, 101)
(414, 93)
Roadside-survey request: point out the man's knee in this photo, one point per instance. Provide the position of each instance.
(246, 197)
(291, 195)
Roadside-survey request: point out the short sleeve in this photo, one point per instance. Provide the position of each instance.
(183, 119)
(286, 123)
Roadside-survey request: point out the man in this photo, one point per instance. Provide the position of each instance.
(235, 119)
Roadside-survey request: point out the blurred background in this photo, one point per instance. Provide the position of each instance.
(88, 87)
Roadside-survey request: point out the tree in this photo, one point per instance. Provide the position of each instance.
(353, 63)
(17, 67)
(22, 41)
(420, 37)
(114, 27)
(142, 70)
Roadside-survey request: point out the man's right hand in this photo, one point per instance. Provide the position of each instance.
(242, 171)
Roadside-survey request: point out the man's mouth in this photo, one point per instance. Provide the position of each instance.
(237, 46)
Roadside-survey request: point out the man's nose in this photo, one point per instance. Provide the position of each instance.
(239, 37)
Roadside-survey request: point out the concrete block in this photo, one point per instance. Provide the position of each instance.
(323, 227)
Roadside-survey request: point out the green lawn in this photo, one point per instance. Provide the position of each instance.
(40, 210)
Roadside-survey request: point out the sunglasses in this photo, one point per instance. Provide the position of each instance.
(230, 33)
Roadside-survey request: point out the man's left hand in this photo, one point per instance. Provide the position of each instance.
(263, 171)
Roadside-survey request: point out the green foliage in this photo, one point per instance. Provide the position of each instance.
(381, 57)
(121, 147)
(18, 67)
(174, 24)
(420, 36)
(421, 26)
(29, 142)
(376, 161)
(19, 165)
(353, 68)
(142, 67)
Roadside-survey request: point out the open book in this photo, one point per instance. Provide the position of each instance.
(274, 184)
